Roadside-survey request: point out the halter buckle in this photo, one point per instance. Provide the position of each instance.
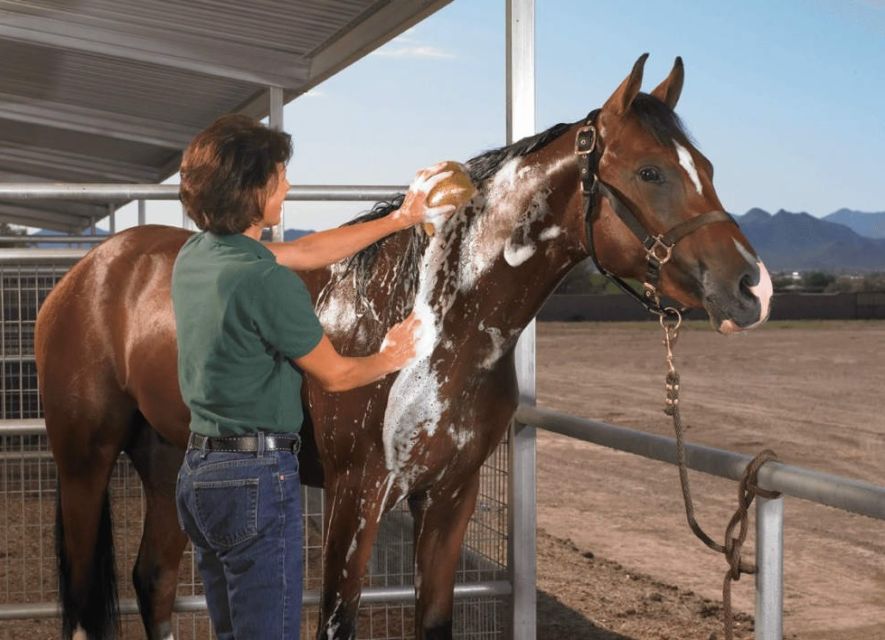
(585, 141)
(660, 246)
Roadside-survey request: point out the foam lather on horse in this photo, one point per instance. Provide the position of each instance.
(624, 184)
(458, 189)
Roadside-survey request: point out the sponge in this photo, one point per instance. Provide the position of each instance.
(458, 189)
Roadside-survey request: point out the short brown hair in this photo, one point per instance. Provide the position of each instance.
(226, 171)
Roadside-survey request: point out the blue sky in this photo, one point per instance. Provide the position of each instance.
(786, 98)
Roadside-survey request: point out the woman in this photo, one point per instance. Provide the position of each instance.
(246, 330)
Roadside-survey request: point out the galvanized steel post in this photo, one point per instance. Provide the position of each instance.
(275, 120)
(523, 516)
(112, 219)
(141, 212)
(769, 568)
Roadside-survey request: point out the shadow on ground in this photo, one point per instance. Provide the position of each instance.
(556, 621)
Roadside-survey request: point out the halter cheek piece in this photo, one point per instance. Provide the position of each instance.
(658, 247)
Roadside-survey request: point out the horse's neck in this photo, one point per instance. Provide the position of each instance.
(479, 280)
(484, 278)
(519, 248)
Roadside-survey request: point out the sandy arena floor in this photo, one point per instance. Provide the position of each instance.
(811, 391)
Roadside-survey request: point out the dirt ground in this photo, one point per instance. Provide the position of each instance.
(612, 527)
(615, 558)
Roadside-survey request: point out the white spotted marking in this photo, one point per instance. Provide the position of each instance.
(336, 303)
(550, 233)
(515, 256)
(497, 349)
(687, 163)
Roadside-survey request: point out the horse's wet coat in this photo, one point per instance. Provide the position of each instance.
(496, 224)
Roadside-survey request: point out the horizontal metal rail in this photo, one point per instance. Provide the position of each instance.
(843, 493)
(22, 255)
(190, 604)
(52, 239)
(126, 192)
(828, 489)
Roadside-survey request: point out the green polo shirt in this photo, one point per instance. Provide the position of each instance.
(240, 317)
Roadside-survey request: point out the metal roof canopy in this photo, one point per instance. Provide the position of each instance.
(113, 90)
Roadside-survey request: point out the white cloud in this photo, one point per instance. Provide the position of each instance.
(414, 51)
(314, 93)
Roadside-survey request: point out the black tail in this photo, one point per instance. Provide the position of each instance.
(96, 611)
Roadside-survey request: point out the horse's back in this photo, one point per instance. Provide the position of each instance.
(107, 324)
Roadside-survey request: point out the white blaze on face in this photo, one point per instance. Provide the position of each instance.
(764, 288)
(687, 163)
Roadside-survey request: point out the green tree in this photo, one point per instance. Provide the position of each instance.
(817, 280)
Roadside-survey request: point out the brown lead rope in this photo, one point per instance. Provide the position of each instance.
(748, 489)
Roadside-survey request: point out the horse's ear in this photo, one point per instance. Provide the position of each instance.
(622, 98)
(670, 89)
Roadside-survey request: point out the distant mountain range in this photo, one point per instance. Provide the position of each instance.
(800, 242)
(871, 225)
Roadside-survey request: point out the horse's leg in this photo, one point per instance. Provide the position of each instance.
(85, 452)
(351, 521)
(440, 523)
(162, 542)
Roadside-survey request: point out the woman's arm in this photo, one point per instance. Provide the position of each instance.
(335, 372)
(323, 248)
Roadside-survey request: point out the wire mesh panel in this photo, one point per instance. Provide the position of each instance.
(28, 503)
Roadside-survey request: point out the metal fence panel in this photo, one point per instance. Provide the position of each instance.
(27, 512)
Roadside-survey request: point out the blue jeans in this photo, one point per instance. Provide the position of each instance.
(242, 512)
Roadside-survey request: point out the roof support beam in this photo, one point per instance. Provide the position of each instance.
(41, 161)
(35, 217)
(196, 53)
(69, 209)
(30, 222)
(93, 121)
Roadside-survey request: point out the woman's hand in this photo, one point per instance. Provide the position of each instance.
(398, 347)
(414, 208)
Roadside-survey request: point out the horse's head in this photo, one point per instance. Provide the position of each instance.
(655, 215)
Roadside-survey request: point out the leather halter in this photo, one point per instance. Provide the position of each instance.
(658, 247)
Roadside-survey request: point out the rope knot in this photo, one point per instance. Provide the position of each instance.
(672, 387)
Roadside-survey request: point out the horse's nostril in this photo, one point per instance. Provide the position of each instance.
(746, 284)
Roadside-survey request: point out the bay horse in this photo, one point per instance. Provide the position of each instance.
(106, 352)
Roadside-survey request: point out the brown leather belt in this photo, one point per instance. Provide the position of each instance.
(247, 444)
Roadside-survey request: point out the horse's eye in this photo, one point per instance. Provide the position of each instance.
(650, 174)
